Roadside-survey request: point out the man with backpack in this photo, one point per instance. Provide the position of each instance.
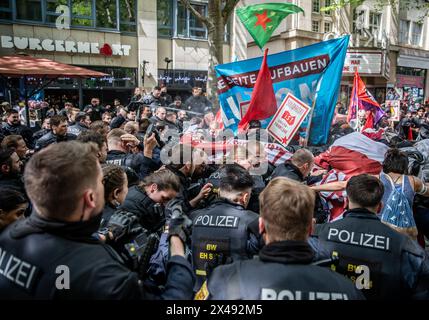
(384, 263)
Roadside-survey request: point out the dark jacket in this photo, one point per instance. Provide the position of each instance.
(183, 197)
(50, 138)
(223, 228)
(152, 101)
(38, 134)
(35, 250)
(141, 205)
(283, 271)
(21, 130)
(198, 104)
(13, 182)
(77, 129)
(288, 170)
(142, 165)
(117, 122)
(398, 267)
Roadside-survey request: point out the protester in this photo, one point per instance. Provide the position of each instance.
(115, 183)
(58, 134)
(13, 126)
(99, 140)
(16, 143)
(198, 102)
(82, 123)
(154, 99)
(13, 204)
(10, 170)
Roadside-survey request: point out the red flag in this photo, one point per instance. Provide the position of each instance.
(369, 124)
(263, 103)
(362, 99)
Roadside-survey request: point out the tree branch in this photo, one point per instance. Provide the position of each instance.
(200, 17)
(228, 9)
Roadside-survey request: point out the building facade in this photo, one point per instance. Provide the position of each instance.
(389, 45)
(136, 42)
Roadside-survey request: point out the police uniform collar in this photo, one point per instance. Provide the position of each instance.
(221, 200)
(360, 213)
(288, 252)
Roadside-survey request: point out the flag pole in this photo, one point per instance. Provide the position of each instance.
(307, 130)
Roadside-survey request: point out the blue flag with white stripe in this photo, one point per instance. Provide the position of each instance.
(312, 74)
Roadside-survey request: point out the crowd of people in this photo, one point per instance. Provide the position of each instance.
(89, 188)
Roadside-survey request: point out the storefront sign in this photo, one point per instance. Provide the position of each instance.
(365, 62)
(182, 77)
(70, 46)
(409, 81)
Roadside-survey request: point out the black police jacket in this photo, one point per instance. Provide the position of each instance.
(108, 211)
(398, 267)
(46, 259)
(21, 130)
(288, 170)
(283, 271)
(77, 129)
(142, 165)
(141, 205)
(183, 197)
(224, 231)
(50, 138)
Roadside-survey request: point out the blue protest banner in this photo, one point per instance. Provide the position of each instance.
(312, 72)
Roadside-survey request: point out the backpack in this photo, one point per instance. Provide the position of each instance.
(397, 212)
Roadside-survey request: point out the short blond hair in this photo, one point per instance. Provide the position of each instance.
(287, 209)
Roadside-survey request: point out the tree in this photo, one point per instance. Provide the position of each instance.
(219, 12)
(420, 5)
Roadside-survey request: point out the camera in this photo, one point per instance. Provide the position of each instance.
(131, 241)
(155, 128)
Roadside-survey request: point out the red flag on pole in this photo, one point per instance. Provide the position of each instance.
(263, 103)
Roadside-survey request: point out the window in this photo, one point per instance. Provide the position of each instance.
(127, 12)
(328, 4)
(5, 10)
(183, 23)
(374, 22)
(51, 6)
(404, 31)
(328, 27)
(106, 14)
(316, 6)
(82, 13)
(29, 10)
(165, 18)
(315, 26)
(416, 34)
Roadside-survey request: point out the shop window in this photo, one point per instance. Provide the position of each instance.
(30, 10)
(127, 12)
(416, 34)
(106, 14)
(404, 31)
(165, 18)
(5, 9)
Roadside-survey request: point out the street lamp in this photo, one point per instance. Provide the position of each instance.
(167, 61)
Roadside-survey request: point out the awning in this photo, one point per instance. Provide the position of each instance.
(413, 62)
(19, 66)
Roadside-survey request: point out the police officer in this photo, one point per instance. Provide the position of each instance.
(58, 134)
(284, 268)
(53, 254)
(120, 145)
(394, 267)
(297, 168)
(225, 230)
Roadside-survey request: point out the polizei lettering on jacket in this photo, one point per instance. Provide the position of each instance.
(16, 270)
(367, 240)
(217, 221)
(271, 294)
